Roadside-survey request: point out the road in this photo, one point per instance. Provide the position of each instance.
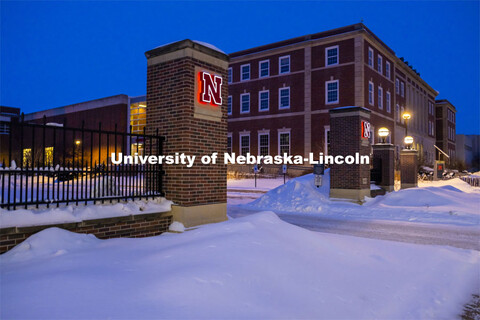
(412, 232)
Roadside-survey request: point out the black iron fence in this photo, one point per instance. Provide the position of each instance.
(50, 163)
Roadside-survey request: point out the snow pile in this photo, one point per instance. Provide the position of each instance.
(299, 194)
(444, 204)
(257, 267)
(176, 227)
(71, 213)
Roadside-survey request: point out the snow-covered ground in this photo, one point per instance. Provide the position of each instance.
(249, 184)
(256, 267)
(71, 213)
(439, 202)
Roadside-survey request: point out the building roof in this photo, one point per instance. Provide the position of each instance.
(448, 103)
(187, 43)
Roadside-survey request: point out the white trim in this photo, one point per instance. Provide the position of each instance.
(259, 100)
(402, 89)
(280, 98)
(388, 76)
(380, 65)
(326, 56)
(368, 57)
(282, 131)
(240, 141)
(260, 69)
(230, 98)
(230, 70)
(260, 133)
(249, 72)
(325, 146)
(372, 103)
(280, 64)
(397, 86)
(241, 104)
(380, 97)
(388, 106)
(326, 92)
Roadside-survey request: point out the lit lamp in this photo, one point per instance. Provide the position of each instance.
(406, 116)
(408, 140)
(77, 142)
(383, 133)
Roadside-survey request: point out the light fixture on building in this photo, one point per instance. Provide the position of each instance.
(383, 134)
(408, 140)
(78, 142)
(406, 116)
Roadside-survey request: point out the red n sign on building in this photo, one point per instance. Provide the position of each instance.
(210, 86)
(365, 129)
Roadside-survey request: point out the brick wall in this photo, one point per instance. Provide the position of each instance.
(134, 226)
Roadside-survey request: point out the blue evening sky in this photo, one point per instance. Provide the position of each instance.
(59, 53)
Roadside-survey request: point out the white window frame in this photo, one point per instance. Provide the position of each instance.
(397, 86)
(260, 68)
(260, 100)
(372, 95)
(283, 131)
(402, 88)
(249, 103)
(230, 78)
(380, 97)
(280, 98)
(244, 134)
(326, 56)
(380, 64)
(370, 61)
(249, 72)
(338, 92)
(387, 70)
(230, 101)
(280, 64)
(389, 102)
(264, 133)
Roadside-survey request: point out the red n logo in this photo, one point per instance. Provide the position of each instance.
(211, 86)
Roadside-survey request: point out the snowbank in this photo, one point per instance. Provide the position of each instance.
(256, 267)
(444, 204)
(32, 217)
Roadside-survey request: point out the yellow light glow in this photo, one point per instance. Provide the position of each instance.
(406, 116)
(383, 132)
(77, 142)
(408, 140)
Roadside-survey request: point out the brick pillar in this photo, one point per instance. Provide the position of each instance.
(349, 181)
(384, 153)
(408, 168)
(193, 127)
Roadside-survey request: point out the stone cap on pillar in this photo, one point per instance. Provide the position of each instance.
(383, 146)
(408, 151)
(352, 110)
(187, 47)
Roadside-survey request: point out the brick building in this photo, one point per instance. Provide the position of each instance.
(280, 93)
(445, 114)
(7, 114)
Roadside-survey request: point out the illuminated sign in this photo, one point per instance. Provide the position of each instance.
(210, 89)
(365, 129)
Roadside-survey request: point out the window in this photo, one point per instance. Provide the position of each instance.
(4, 128)
(284, 98)
(245, 72)
(401, 114)
(264, 68)
(389, 102)
(229, 105)
(387, 70)
(371, 90)
(402, 86)
(284, 64)
(244, 144)
(263, 100)
(370, 57)
(229, 143)
(331, 92)
(230, 75)
(380, 64)
(327, 141)
(397, 84)
(397, 111)
(331, 56)
(380, 97)
(27, 157)
(245, 102)
(48, 161)
(283, 142)
(263, 144)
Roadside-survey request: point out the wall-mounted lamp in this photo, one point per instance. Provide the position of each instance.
(383, 133)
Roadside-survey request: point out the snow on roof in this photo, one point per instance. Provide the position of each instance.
(205, 44)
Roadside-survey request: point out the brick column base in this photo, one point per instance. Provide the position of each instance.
(408, 168)
(384, 155)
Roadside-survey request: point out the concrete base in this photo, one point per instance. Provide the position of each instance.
(409, 185)
(197, 215)
(388, 188)
(352, 194)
